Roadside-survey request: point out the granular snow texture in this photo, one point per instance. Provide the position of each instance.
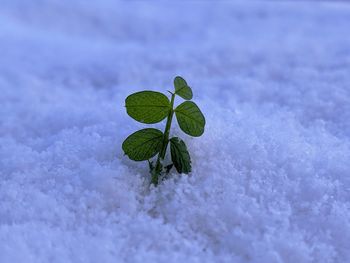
(271, 174)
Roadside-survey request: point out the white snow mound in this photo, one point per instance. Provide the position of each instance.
(271, 174)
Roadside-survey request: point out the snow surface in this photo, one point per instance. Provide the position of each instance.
(271, 175)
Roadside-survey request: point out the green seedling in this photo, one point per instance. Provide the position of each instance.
(152, 107)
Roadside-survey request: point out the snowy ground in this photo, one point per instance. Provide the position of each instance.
(271, 175)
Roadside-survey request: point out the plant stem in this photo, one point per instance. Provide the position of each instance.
(158, 168)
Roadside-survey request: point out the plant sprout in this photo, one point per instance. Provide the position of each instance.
(152, 107)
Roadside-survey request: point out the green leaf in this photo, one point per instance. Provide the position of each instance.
(182, 89)
(191, 120)
(147, 106)
(180, 156)
(143, 144)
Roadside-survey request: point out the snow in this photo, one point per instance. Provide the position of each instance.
(271, 174)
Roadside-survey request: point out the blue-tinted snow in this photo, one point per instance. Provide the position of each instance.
(271, 175)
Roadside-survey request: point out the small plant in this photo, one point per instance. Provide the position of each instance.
(153, 107)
